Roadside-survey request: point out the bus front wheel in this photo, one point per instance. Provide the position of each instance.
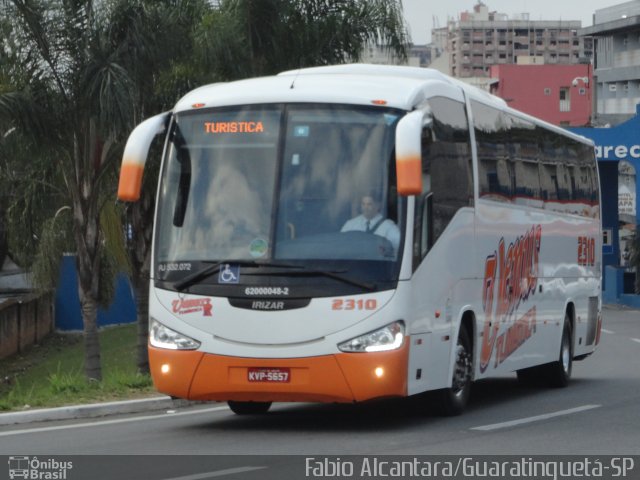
(453, 400)
(249, 408)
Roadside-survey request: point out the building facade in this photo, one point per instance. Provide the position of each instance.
(559, 94)
(417, 56)
(618, 153)
(616, 32)
(482, 38)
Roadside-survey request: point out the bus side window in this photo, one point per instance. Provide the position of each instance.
(447, 173)
(450, 160)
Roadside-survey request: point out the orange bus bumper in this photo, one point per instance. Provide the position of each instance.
(344, 377)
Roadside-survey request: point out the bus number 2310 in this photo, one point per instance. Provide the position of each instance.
(351, 304)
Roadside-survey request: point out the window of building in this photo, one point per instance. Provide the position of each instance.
(565, 99)
(547, 91)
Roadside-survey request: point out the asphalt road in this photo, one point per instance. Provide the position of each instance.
(598, 414)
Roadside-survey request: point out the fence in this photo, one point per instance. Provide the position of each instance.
(24, 320)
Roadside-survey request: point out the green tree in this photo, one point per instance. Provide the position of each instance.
(248, 38)
(71, 105)
(82, 74)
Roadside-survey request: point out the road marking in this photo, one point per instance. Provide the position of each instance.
(537, 418)
(217, 473)
(604, 330)
(636, 340)
(111, 422)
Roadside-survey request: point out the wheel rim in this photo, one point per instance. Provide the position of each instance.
(566, 354)
(462, 371)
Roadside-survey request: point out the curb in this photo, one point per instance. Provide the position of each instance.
(92, 410)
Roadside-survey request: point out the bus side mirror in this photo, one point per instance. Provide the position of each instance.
(135, 156)
(409, 152)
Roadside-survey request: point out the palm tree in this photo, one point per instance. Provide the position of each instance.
(85, 73)
(72, 106)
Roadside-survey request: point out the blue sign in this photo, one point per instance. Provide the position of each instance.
(229, 274)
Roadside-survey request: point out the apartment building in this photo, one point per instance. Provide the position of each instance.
(481, 38)
(616, 31)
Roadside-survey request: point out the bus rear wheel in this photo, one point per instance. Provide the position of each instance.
(558, 373)
(453, 400)
(249, 408)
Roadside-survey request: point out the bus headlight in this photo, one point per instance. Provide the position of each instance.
(161, 336)
(382, 340)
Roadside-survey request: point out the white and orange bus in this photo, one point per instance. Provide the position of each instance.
(483, 255)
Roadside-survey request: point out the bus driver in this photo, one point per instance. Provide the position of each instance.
(372, 221)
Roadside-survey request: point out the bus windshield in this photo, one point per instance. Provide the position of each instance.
(309, 185)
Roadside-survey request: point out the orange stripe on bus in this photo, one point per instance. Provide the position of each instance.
(130, 184)
(180, 365)
(344, 377)
(409, 173)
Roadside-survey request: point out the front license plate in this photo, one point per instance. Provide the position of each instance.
(273, 375)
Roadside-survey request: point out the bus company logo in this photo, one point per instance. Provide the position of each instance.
(36, 469)
(183, 306)
(516, 272)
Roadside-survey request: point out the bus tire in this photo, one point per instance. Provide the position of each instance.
(558, 373)
(454, 400)
(249, 408)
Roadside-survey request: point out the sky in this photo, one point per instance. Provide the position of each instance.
(420, 13)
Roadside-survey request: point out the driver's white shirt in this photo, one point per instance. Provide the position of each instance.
(386, 229)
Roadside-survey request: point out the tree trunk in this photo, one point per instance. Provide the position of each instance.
(88, 268)
(92, 367)
(140, 217)
(141, 290)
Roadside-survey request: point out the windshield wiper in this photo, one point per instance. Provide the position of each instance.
(214, 268)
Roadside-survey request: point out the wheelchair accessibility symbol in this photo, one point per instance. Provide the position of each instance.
(229, 274)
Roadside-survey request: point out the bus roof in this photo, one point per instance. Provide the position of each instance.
(348, 89)
(386, 71)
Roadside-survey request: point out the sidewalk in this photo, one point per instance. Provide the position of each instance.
(92, 410)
